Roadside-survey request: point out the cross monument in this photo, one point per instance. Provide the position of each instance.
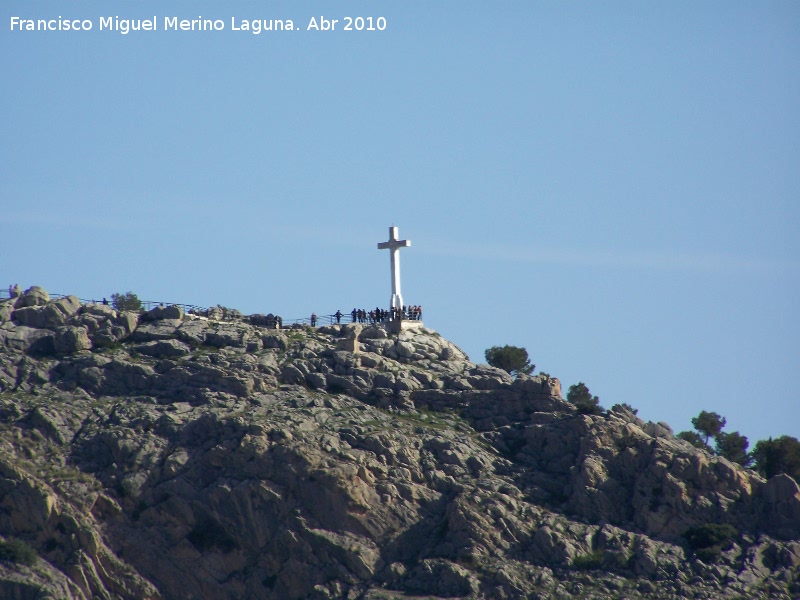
(394, 246)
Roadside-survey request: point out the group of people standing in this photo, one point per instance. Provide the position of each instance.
(380, 315)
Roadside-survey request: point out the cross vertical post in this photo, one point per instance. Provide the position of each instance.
(393, 245)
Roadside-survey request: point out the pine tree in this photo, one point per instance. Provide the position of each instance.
(512, 359)
(583, 400)
(709, 424)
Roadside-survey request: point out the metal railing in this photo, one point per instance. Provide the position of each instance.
(187, 308)
(320, 321)
(346, 319)
(146, 304)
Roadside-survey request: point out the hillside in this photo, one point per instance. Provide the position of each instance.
(171, 456)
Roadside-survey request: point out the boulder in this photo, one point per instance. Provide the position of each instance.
(163, 329)
(404, 349)
(275, 340)
(194, 331)
(448, 354)
(108, 331)
(163, 348)
(348, 344)
(553, 548)
(26, 339)
(100, 310)
(352, 331)
(372, 332)
(159, 313)
(660, 429)
(269, 321)
(39, 316)
(332, 330)
(226, 334)
(6, 310)
(781, 495)
(52, 315)
(127, 320)
(71, 339)
(33, 296)
(552, 386)
(442, 578)
(69, 305)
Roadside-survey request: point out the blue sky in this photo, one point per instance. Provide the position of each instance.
(614, 186)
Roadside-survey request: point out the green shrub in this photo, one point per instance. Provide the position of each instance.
(708, 555)
(588, 562)
(733, 446)
(17, 551)
(583, 400)
(711, 534)
(127, 301)
(709, 540)
(781, 455)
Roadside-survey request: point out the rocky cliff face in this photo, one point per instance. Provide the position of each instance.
(166, 456)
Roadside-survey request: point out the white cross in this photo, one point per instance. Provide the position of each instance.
(394, 246)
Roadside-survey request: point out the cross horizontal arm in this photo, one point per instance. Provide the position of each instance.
(392, 244)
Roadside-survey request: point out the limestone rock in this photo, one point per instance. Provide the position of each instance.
(127, 320)
(101, 310)
(269, 321)
(443, 579)
(372, 332)
(230, 334)
(69, 305)
(352, 330)
(6, 310)
(171, 312)
(404, 349)
(71, 339)
(275, 340)
(782, 506)
(107, 327)
(50, 315)
(658, 430)
(163, 348)
(190, 458)
(162, 329)
(39, 317)
(27, 339)
(33, 296)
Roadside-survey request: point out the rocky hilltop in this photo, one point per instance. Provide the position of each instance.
(163, 455)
